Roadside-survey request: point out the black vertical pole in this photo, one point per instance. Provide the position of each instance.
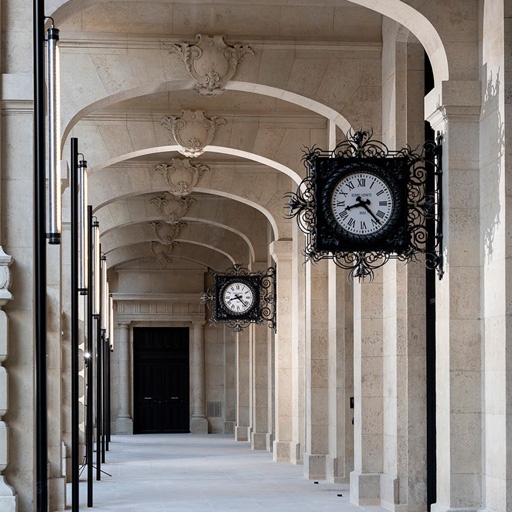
(40, 327)
(90, 359)
(104, 394)
(430, 310)
(99, 370)
(107, 394)
(74, 329)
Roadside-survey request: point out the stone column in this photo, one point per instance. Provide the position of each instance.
(198, 421)
(368, 393)
(284, 444)
(8, 501)
(259, 384)
(242, 429)
(229, 379)
(454, 110)
(340, 378)
(317, 370)
(124, 423)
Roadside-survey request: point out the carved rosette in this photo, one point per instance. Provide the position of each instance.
(172, 208)
(210, 62)
(181, 176)
(193, 131)
(167, 233)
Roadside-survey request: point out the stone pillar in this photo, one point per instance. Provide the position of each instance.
(124, 423)
(317, 370)
(259, 384)
(8, 501)
(284, 444)
(368, 393)
(403, 482)
(198, 421)
(453, 108)
(229, 379)
(242, 429)
(339, 368)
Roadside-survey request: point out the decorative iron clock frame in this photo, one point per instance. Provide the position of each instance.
(257, 305)
(333, 207)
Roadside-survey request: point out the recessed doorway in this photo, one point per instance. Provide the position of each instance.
(161, 380)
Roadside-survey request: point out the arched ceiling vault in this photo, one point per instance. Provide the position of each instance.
(330, 77)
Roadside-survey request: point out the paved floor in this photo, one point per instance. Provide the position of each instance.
(194, 473)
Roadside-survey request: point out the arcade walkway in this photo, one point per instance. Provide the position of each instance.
(185, 473)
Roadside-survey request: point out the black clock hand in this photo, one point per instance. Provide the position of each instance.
(241, 300)
(365, 204)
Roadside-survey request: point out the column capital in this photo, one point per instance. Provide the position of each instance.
(281, 250)
(453, 98)
(196, 323)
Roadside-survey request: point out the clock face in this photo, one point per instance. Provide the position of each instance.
(238, 297)
(362, 203)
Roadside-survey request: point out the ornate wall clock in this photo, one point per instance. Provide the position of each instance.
(362, 204)
(239, 297)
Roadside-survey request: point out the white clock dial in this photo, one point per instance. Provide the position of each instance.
(238, 297)
(362, 203)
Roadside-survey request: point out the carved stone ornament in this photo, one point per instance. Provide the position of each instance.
(162, 252)
(210, 62)
(5, 277)
(193, 131)
(181, 176)
(173, 208)
(167, 233)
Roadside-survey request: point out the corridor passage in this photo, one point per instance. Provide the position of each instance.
(194, 473)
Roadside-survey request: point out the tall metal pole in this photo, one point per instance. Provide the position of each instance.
(90, 359)
(99, 390)
(40, 327)
(74, 329)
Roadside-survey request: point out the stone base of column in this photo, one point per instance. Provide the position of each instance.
(198, 426)
(8, 500)
(442, 508)
(242, 433)
(295, 454)
(365, 488)
(269, 442)
(314, 466)
(124, 426)
(389, 497)
(335, 470)
(229, 427)
(258, 440)
(282, 451)
(57, 492)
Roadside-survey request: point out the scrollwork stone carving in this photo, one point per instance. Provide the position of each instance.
(172, 208)
(181, 176)
(210, 62)
(193, 131)
(5, 277)
(167, 233)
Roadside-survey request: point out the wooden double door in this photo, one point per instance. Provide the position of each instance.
(161, 380)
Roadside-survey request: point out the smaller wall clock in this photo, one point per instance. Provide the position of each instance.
(239, 297)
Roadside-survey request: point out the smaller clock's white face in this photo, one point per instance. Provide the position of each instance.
(362, 203)
(238, 297)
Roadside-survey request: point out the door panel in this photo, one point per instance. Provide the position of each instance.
(161, 380)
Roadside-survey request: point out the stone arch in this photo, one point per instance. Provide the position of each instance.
(399, 10)
(420, 26)
(177, 85)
